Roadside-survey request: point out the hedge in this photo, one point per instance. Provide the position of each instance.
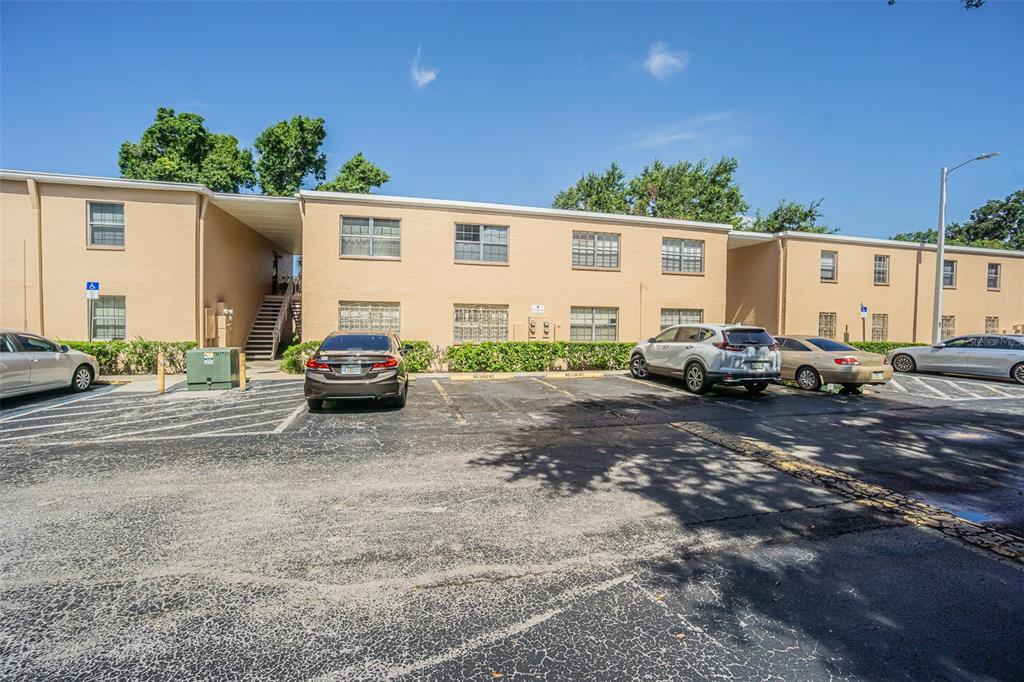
(881, 347)
(508, 356)
(137, 356)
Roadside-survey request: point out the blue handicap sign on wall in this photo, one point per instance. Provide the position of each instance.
(92, 286)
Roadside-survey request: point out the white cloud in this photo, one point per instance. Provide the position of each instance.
(696, 128)
(421, 76)
(663, 63)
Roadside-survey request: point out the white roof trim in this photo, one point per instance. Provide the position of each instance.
(94, 181)
(474, 206)
(742, 235)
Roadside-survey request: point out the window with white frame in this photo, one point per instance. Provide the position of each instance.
(595, 250)
(108, 318)
(483, 243)
(673, 316)
(991, 325)
(682, 255)
(829, 261)
(949, 273)
(995, 275)
(369, 315)
(827, 325)
(947, 329)
(881, 269)
(106, 224)
(371, 237)
(593, 324)
(476, 323)
(879, 327)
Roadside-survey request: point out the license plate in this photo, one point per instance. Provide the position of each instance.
(759, 365)
(351, 369)
(877, 375)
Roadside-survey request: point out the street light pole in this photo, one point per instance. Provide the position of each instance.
(940, 251)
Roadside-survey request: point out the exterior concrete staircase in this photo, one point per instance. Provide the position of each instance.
(261, 344)
(296, 311)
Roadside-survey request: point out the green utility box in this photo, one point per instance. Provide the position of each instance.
(211, 369)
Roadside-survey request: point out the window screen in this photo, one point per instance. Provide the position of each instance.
(108, 318)
(595, 250)
(828, 266)
(106, 224)
(682, 255)
(484, 243)
(827, 325)
(369, 315)
(674, 316)
(593, 324)
(476, 323)
(371, 237)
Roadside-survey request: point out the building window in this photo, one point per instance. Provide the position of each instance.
(991, 325)
(108, 318)
(670, 317)
(682, 255)
(827, 325)
(879, 327)
(106, 224)
(948, 328)
(483, 243)
(371, 237)
(593, 324)
(828, 266)
(995, 271)
(476, 323)
(949, 273)
(881, 269)
(595, 250)
(369, 315)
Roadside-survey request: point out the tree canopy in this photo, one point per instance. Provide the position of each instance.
(604, 193)
(790, 216)
(289, 152)
(179, 148)
(356, 175)
(996, 224)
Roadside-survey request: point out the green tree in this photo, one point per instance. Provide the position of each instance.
(357, 175)
(604, 193)
(688, 191)
(179, 148)
(790, 216)
(289, 152)
(997, 224)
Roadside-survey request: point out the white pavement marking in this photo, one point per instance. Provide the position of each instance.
(289, 419)
(961, 387)
(187, 424)
(684, 393)
(931, 388)
(897, 386)
(49, 407)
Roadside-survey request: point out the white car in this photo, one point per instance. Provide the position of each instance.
(30, 363)
(998, 356)
(703, 355)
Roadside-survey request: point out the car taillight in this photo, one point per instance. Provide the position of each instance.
(885, 359)
(313, 363)
(846, 361)
(725, 345)
(390, 362)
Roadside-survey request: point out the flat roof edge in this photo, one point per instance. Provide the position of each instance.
(871, 241)
(97, 181)
(418, 202)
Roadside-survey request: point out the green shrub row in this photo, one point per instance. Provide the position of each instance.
(509, 356)
(882, 347)
(136, 356)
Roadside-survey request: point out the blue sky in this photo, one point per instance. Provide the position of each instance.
(858, 102)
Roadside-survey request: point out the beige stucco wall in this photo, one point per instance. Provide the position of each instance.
(428, 283)
(19, 271)
(971, 300)
(752, 291)
(155, 271)
(237, 269)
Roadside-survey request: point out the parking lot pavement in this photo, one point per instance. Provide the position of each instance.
(524, 528)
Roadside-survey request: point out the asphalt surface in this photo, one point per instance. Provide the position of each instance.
(532, 528)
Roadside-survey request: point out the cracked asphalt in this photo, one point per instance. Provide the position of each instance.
(532, 528)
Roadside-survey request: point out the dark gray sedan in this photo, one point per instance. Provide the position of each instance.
(986, 355)
(354, 365)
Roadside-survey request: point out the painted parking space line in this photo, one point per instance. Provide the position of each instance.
(959, 387)
(898, 386)
(449, 402)
(925, 384)
(191, 423)
(555, 388)
(679, 391)
(49, 406)
(287, 421)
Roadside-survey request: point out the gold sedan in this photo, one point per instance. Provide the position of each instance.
(811, 361)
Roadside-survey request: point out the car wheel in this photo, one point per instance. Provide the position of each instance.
(81, 379)
(755, 388)
(696, 379)
(808, 378)
(314, 405)
(638, 367)
(402, 397)
(1018, 373)
(903, 363)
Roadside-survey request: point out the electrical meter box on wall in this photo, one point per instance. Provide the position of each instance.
(540, 329)
(211, 369)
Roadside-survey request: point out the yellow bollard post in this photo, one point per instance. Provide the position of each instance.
(241, 371)
(159, 372)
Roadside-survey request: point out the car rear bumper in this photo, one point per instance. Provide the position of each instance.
(738, 378)
(857, 374)
(319, 387)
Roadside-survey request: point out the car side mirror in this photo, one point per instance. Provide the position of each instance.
(650, 340)
(406, 347)
(938, 345)
(64, 348)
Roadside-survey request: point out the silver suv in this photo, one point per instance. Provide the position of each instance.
(703, 355)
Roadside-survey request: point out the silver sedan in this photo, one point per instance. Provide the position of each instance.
(30, 363)
(986, 355)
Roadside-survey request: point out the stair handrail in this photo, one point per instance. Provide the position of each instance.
(282, 316)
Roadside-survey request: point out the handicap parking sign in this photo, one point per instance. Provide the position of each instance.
(92, 289)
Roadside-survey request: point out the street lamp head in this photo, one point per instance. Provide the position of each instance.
(986, 156)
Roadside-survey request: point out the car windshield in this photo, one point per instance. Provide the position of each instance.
(750, 337)
(830, 346)
(378, 342)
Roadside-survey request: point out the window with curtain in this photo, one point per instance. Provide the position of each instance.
(673, 316)
(595, 250)
(593, 324)
(371, 237)
(682, 255)
(476, 323)
(483, 243)
(106, 224)
(829, 260)
(369, 315)
(108, 318)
